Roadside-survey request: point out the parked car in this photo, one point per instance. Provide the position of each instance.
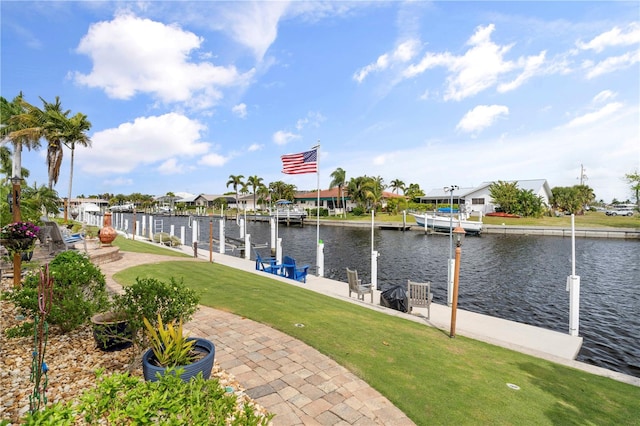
(623, 210)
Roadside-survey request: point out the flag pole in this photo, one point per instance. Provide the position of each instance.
(319, 245)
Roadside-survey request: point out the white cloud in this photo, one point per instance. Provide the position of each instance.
(531, 67)
(312, 119)
(282, 137)
(253, 24)
(213, 160)
(240, 110)
(132, 55)
(117, 182)
(604, 96)
(170, 167)
(479, 67)
(613, 37)
(404, 52)
(611, 64)
(552, 154)
(144, 141)
(255, 147)
(481, 117)
(595, 116)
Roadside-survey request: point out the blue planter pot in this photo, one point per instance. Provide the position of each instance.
(204, 365)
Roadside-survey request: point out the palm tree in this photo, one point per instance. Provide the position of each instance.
(263, 194)
(359, 189)
(235, 181)
(397, 185)
(338, 178)
(282, 191)
(75, 133)
(255, 182)
(6, 164)
(39, 200)
(17, 124)
(54, 122)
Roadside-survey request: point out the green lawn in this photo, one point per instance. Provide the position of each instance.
(432, 378)
(143, 247)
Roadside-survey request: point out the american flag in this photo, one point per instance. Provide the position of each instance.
(297, 164)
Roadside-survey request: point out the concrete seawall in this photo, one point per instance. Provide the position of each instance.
(624, 233)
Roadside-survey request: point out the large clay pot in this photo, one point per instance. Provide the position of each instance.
(204, 365)
(107, 234)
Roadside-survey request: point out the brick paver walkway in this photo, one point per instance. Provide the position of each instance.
(287, 377)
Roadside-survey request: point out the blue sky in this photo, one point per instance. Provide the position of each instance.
(181, 95)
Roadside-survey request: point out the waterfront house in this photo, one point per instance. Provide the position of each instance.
(478, 199)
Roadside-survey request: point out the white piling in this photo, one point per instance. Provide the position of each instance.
(247, 246)
(374, 269)
(182, 235)
(194, 232)
(452, 267)
(222, 245)
(320, 259)
(150, 228)
(279, 250)
(172, 230)
(272, 225)
(241, 225)
(573, 286)
(374, 256)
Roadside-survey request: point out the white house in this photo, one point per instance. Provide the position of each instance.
(478, 199)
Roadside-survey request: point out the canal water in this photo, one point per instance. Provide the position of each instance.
(516, 277)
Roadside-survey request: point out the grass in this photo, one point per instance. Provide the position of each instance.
(143, 247)
(430, 377)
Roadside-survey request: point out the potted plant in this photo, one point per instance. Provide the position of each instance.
(148, 298)
(111, 331)
(171, 349)
(19, 237)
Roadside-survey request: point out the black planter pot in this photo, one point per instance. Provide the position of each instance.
(204, 365)
(110, 332)
(26, 256)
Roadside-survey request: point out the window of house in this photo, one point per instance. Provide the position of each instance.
(477, 201)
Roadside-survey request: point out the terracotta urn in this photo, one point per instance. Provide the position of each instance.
(107, 234)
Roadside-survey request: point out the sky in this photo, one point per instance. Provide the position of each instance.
(182, 95)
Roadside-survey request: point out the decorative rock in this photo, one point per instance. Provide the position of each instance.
(72, 359)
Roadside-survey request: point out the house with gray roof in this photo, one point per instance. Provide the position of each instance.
(478, 199)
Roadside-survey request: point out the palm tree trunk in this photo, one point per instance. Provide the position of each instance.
(70, 182)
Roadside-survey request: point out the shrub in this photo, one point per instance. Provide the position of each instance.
(79, 291)
(150, 297)
(358, 211)
(121, 399)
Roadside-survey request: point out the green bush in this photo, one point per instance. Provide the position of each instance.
(357, 211)
(120, 399)
(79, 291)
(148, 298)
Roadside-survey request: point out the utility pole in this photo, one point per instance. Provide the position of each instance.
(582, 177)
